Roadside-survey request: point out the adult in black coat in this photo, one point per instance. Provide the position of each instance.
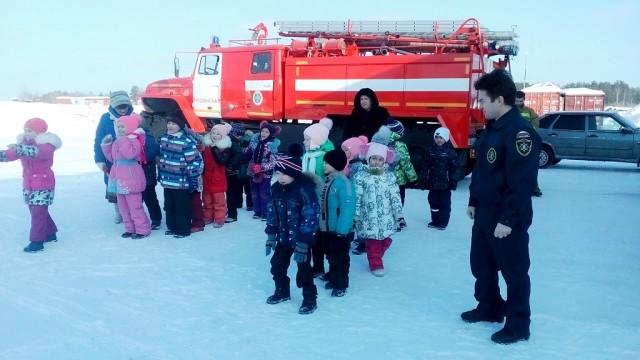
(367, 115)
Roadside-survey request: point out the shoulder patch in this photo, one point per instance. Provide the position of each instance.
(524, 145)
(523, 134)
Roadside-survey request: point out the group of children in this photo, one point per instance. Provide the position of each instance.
(320, 200)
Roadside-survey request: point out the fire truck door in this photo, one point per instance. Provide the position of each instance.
(206, 86)
(259, 86)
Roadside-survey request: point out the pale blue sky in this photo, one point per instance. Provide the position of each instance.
(101, 46)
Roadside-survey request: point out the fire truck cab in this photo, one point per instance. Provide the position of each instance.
(422, 72)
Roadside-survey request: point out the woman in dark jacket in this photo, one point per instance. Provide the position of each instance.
(367, 115)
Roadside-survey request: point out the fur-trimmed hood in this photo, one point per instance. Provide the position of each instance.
(223, 143)
(44, 138)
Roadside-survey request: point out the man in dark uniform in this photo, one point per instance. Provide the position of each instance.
(502, 181)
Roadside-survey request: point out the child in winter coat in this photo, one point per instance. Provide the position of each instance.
(120, 106)
(403, 169)
(378, 207)
(440, 177)
(178, 173)
(126, 177)
(150, 168)
(352, 148)
(216, 156)
(292, 223)
(261, 153)
(316, 143)
(34, 149)
(337, 210)
(234, 186)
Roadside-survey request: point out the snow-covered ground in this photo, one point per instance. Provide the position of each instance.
(94, 295)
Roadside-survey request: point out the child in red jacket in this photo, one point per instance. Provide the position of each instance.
(214, 177)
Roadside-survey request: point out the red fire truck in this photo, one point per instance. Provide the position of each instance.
(422, 72)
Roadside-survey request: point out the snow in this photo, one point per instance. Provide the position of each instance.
(94, 295)
(582, 91)
(546, 87)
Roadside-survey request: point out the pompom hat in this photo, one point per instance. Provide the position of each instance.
(318, 133)
(274, 130)
(130, 122)
(354, 145)
(395, 126)
(224, 129)
(119, 98)
(36, 125)
(383, 151)
(443, 132)
(237, 129)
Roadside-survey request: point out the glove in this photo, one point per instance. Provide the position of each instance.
(108, 139)
(301, 252)
(401, 224)
(270, 244)
(102, 166)
(256, 168)
(453, 185)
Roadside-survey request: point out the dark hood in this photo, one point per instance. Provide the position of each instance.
(370, 94)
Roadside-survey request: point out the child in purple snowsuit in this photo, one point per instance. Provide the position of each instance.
(126, 178)
(35, 150)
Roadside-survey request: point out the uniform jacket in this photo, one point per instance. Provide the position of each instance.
(126, 173)
(262, 152)
(313, 160)
(440, 167)
(180, 163)
(378, 203)
(36, 157)
(337, 204)
(506, 169)
(403, 169)
(215, 156)
(292, 213)
(363, 122)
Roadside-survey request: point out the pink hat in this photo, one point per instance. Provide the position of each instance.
(130, 122)
(372, 149)
(318, 133)
(224, 129)
(36, 125)
(354, 144)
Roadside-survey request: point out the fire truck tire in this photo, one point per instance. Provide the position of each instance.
(546, 157)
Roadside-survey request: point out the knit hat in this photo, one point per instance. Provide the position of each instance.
(177, 120)
(36, 125)
(274, 130)
(224, 129)
(443, 132)
(291, 163)
(383, 136)
(336, 158)
(353, 145)
(383, 151)
(395, 126)
(130, 122)
(318, 133)
(120, 98)
(237, 129)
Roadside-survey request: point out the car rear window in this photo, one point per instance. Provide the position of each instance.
(570, 122)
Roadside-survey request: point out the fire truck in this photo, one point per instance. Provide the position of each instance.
(421, 71)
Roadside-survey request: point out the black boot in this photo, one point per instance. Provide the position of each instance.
(475, 315)
(507, 336)
(34, 246)
(278, 296)
(308, 307)
(434, 219)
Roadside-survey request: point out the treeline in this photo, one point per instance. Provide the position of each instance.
(618, 93)
(51, 96)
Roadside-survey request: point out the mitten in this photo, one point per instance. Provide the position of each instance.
(108, 139)
(301, 252)
(453, 185)
(401, 223)
(256, 168)
(102, 166)
(270, 244)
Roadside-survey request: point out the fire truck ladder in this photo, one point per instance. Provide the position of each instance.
(441, 34)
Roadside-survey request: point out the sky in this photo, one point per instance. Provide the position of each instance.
(94, 295)
(78, 45)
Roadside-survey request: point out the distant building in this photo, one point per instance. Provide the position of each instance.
(547, 97)
(83, 100)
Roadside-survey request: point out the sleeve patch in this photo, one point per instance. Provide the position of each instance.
(523, 134)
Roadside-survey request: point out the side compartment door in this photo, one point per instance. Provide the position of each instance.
(258, 86)
(206, 86)
(568, 135)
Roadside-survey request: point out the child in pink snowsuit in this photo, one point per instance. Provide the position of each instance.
(126, 177)
(35, 150)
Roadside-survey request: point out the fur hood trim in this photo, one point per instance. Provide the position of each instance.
(44, 138)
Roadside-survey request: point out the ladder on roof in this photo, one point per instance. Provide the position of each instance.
(431, 30)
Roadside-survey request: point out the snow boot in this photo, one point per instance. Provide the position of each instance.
(155, 224)
(34, 246)
(475, 315)
(507, 336)
(51, 238)
(308, 307)
(280, 295)
(118, 218)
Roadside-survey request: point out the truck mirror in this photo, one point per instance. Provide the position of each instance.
(176, 66)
